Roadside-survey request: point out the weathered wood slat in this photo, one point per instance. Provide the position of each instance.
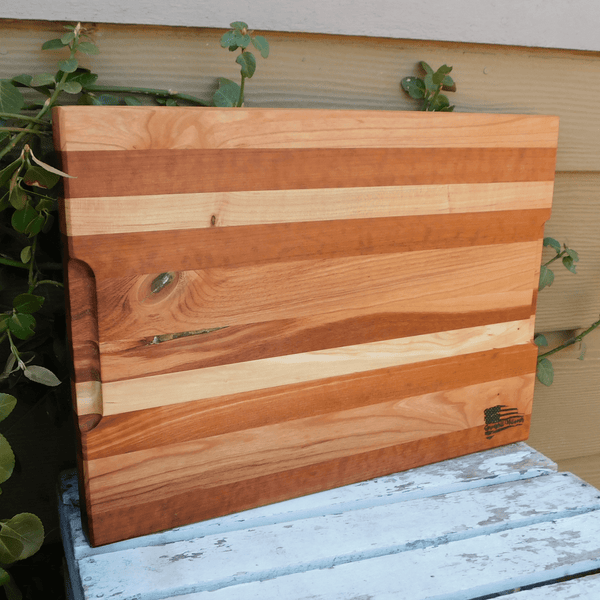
(488, 539)
(257, 322)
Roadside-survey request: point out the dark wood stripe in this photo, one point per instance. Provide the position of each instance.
(162, 426)
(143, 172)
(123, 254)
(141, 358)
(110, 523)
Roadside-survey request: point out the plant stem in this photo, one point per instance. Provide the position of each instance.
(12, 263)
(571, 341)
(146, 91)
(241, 98)
(5, 115)
(559, 255)
(48, 282)
(31, 279)
(24, 129)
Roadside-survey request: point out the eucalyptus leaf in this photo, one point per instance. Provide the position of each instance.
(72, 87)
(241, 40)
(247, 61)
(429, 83)
(8, 171)
(55, 44)
(7, 403)
(42, 79)
(18, 198)
(67, 38)
(83, 76)
(11, 99)
(414, 87)
(574, 255)
(41, 375)
(545, 372)
(261, 44)
(22, 80)
(68, 66)
(568, 263)
(21, 325)
(228, 93)
(7, 460)
(39, 177)
(540, 340)
(107, 100)
(21, 219)
(24, 530)
(238, 25)
(546, 277)
(25, 254)
(4, 577)
(228, 39)
(426, 68)
(551, 242)
(28, 303)
(131, 101)
(88, 48)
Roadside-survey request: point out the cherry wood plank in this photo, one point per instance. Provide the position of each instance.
(154, 427)
(146, 172)
(158, 390)
(116, 519)
(184, 250)
(210, 348)
(83, 128)
(129, 214)
(225, 297)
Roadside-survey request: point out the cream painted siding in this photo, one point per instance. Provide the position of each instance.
(334, 71)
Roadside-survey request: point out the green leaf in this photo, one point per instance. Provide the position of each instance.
(67, 38)
(440, 103)
(22, 326)
(546, 277)
(42, 79)
(20, 537)
(18, 198)
(131, 101)
(22, 80)
(574, 255)
(22, 219)
(426, 67)
(448, 84)
(28, 303)
(171, 102)
(4, 318)
(261, 44)
(108, 100)
(548, 241)
(545, 371)
(72, 87)
(54, 44)
(68, 66)
(11, 100)
(7, 172)
(568, 262)
(7, 403)
(540, 340)
(228, 40)
(4, 577)
(7, 459)
(429, 83)
(88, 48)
(41, 375)
(40, 177)
(26, 254)
(83, 76)
(414, 87)
(228, 93)
(248, 63)
(238, 25)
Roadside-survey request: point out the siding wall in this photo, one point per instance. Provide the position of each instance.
(330, 71)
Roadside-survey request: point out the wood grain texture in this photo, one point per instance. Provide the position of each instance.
(129, 214)
(285, 301)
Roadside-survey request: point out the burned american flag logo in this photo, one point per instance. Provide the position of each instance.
(501, 417)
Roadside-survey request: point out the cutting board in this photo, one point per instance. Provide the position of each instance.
(266, 303)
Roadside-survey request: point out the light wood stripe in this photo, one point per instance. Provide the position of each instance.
(157, 172)
(128, 214)
(148, 392)
(123, 128)
(139, 430)
(223, 460)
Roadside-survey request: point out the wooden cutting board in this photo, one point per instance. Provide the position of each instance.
(266, 303)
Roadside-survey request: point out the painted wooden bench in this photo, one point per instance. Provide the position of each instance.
(269, 303)
(499, 521)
